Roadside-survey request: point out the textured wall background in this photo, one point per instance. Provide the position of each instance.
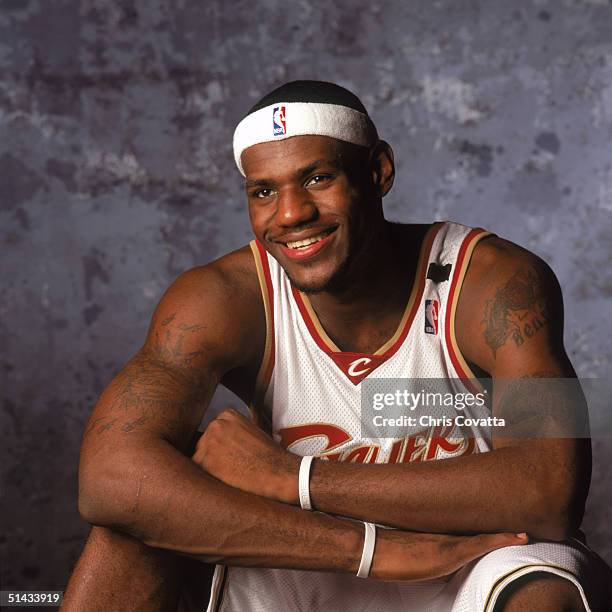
(116, 174)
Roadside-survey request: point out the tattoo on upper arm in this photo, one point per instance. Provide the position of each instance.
(159, 385)
(100, 425)
(132, 425)
(518, 311)
(168, 319)
(168, 346)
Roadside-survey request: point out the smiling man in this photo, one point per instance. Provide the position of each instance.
(328, 297)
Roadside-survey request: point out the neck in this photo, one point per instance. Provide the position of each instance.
(379, 279)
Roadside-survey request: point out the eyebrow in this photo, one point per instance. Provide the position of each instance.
(301, 173)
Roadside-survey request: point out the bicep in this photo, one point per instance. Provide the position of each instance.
(151, 397)
(534, 387)
(163, 391)
(514, 314)
(510, 313)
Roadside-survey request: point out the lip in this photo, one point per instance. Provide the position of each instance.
(309, 251)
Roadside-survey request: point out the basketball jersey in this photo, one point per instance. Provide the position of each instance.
(308, 396)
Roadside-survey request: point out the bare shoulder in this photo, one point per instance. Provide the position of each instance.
(494, 257)
(510, 308)
(214, 312)
(227, 278)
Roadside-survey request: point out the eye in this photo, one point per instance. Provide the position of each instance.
(262, 193)
(317, 179)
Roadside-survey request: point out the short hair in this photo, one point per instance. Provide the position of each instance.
(321, 92)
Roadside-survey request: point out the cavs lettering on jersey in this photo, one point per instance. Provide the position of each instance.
(308, 396)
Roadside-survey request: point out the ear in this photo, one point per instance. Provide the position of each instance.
(382, 167)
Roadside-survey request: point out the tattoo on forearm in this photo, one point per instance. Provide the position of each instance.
(518, 310)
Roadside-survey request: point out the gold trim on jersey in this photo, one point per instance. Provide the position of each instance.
(419, 280)
(218, 589)
(457, 280)
(506, 580)
(265, 369)
(417, 286)
(315, 321)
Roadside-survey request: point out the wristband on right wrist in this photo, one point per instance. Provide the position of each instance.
(368, 550)
(304, 482)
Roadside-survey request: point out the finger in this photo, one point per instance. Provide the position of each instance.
(479, 545)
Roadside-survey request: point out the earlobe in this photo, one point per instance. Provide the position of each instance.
(383, 167)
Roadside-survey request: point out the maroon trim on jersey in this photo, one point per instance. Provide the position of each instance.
(222, 589)
(469, 242)
(356, 366)
(267, 366)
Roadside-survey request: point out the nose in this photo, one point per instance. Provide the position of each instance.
(295, 207)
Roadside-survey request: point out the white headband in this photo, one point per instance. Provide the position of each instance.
(286, 119)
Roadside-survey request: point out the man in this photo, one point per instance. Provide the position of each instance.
(329, 297)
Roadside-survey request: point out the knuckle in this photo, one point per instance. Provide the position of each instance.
(214, 427)
(228, 413)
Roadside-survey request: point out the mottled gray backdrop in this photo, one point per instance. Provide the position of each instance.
(116, 174)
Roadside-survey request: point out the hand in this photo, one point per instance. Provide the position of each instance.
(241, 455)
(405, 555)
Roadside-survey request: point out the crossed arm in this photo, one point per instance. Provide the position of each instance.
(137, 478)
(135, 475)
(535, 480)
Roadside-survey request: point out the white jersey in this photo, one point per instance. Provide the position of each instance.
(309, 396)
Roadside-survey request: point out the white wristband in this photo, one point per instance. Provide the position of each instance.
(368, 551)
(304, 482)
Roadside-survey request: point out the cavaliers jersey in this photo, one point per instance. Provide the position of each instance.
(308, 396)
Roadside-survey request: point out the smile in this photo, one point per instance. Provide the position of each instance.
(307, 247)
(300, 244)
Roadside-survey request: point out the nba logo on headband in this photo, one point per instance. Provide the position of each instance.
(279, 125)
(316, 108)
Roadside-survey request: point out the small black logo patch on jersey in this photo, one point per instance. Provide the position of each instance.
(438, 273)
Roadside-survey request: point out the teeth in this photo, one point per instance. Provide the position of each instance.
(303, 243)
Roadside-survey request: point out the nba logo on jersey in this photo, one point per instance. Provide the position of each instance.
(431, 316)
(279, 125)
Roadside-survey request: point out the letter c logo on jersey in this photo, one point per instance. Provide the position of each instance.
(362, 361)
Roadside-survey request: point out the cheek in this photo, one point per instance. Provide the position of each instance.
(339, 201)
(258, 219)
(253, 219)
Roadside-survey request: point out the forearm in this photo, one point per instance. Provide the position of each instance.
(153, 492)
(118, 573)
(509, 489)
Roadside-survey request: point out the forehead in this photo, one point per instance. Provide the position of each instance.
(268, 158)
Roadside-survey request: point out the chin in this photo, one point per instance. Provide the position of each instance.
(308, 282)
(312, 281)
(310, 288)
